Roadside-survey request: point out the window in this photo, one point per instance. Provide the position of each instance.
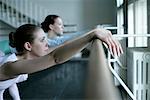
(137, 23)
(119, 3)
(120, 21)
(120, 17)
(130, 25)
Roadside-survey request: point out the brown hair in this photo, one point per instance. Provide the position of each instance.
(24, 33)
(50, 19)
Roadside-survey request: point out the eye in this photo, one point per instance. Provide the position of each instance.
(43, 39)
(60, 24)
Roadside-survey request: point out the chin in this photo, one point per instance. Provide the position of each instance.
(41, 54)
(60, 34)
(44, 54)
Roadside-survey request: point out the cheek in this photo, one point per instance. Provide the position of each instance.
(40, 50)
(58, 28)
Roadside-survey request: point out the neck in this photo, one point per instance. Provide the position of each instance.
(51, 34)
(26, 56)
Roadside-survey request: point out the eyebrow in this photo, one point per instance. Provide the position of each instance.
(43, 37)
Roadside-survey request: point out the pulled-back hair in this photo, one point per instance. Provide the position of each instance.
(50, 19)
(23, 34)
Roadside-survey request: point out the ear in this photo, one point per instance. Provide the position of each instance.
(28, 46)
(51, 27)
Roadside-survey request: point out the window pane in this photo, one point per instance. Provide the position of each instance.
(141, 22)
(137, 23)
(119, 2)
(130, 25)
(120, 21)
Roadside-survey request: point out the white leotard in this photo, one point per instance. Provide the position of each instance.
(7, 83)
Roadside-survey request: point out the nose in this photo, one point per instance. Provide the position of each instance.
(46, 45)
(62, 26)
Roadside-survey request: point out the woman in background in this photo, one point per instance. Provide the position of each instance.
(33, 53)
(54, 27)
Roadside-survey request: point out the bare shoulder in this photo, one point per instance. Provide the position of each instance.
(5, 71)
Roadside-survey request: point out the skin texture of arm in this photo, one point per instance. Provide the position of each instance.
(59, 55)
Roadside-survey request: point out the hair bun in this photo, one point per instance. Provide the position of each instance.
(12, 39)
(45, 26)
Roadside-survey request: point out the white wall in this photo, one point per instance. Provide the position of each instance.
(84, 13)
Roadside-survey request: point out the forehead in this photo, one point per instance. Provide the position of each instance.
(58, 20)
(39, 33)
